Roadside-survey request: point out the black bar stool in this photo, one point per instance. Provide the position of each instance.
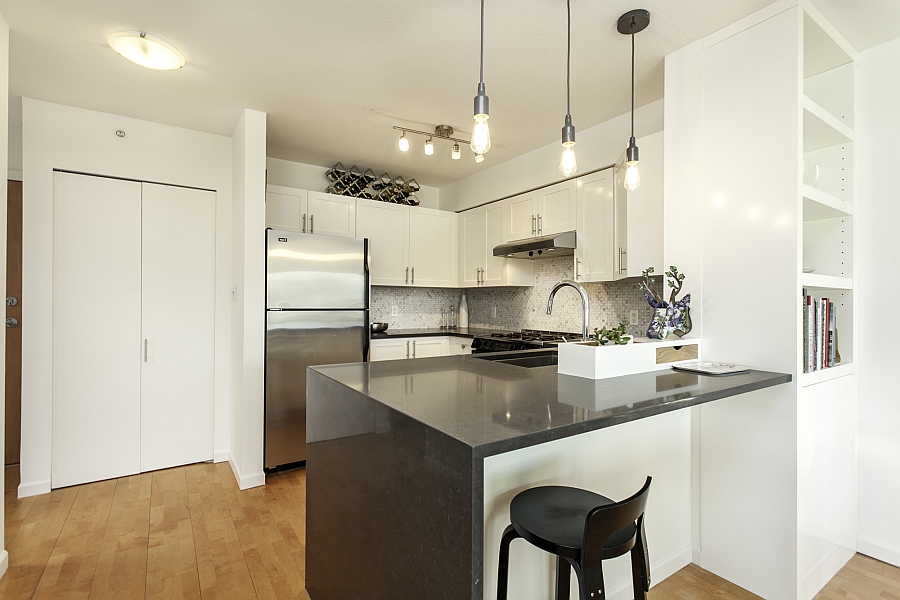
(582, 529)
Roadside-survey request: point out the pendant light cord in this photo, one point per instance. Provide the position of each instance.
(568, 57)
(632, 77)
(481, 62)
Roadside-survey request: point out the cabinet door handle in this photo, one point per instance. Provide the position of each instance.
(145, 350)
(304, 222)
(622, 253)
(540, 225)
(312, 225)
(407, 348)
(412, 280)
(406, 280)
(533, 225)
(414, 348)
(577, 275)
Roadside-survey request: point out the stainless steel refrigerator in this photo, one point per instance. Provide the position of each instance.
(317, 313)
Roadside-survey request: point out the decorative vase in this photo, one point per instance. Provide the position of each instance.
(674, 319)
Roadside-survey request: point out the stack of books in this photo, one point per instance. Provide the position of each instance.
(819, 334)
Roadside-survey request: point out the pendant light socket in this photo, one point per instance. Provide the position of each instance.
(481, 101)
(568, 131)
(631, 153)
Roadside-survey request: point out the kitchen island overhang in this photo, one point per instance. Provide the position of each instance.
(397, 449)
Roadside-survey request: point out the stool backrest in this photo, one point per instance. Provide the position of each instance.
(603, 521)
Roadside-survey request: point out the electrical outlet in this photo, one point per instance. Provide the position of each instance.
(395, 311)
(234, 293)
(493, 312)
(634, 317)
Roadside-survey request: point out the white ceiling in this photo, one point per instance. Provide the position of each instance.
(335, 76)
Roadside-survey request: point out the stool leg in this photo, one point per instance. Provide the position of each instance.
(503, 570)
(563, 573)
(640, 564)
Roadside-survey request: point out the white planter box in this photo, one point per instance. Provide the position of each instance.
(584, 359)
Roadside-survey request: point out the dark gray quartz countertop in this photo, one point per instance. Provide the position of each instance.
(466, 332)
(495, 408)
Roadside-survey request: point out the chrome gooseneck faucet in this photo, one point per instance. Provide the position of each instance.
(586, 318)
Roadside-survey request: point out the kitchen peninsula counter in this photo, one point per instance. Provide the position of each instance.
(410, 463)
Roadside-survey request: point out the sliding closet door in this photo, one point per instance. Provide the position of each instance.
(96, 329)
(178, 307)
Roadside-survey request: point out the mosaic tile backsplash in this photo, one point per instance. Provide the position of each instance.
(518, 307)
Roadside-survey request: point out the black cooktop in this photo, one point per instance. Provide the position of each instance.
(501, 341)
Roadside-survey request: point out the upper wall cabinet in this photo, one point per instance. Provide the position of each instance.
(409, 246)
(480, 231)
(310, 212)
(644, 222)
(547, 211)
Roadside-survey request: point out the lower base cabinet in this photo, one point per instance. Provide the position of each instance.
(418, 347)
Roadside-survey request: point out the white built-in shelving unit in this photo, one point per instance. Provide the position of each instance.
(828, 198)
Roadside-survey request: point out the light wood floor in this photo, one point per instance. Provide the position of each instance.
(189, 532)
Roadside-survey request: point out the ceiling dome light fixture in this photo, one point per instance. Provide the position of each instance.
(429, 147)
(567, 163)
(481, 135)
(454, 154)
(404, 142)
(632, 22)
(146, 50)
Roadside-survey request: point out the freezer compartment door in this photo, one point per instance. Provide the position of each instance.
(315, 271)
(296, 340)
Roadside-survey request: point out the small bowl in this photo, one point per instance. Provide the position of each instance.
(379, 327)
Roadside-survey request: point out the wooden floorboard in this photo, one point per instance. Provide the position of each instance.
(189, 533)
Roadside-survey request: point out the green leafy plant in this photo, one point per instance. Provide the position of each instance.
(617, 335)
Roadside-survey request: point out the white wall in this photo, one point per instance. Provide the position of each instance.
(878, 214)
(62, 137)
(4, 111)
(312, 177)
(596, 147)
(249, 316)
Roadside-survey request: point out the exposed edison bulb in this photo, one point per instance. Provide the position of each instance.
(454, 154)
(429, 147)
(567, 163)
(481, 136)
(479, 158)
(632, 176)
(404, 143)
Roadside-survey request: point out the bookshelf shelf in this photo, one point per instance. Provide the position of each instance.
(818, 205)
(826, 282)
(841, 370)
(821, 129)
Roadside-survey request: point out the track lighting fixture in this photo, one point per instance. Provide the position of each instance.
(404, 143)
(479, 158)
(454, 154)
(441, 132)
(429, 147)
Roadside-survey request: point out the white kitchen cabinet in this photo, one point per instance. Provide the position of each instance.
(386, 226)
(389, 349)
(428, 347)
(330, 214)
(133, 327)
(310, 212)
(433, 254)
(556, 207)
(644, 206)
(412, 347)
(547, 211)
(481, 230)
(597, 257)
(460, 345)
(286, 208)
(409, 245)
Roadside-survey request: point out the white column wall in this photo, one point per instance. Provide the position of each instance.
(249, 316)
(878, 213)
(63, 137)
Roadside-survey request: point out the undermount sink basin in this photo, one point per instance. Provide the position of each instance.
(528, 358)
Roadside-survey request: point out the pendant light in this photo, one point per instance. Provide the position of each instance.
(567, 163)
(632, 22)
(481, 135)
(404, 143)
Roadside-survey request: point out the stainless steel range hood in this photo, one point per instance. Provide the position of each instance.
(540, 247)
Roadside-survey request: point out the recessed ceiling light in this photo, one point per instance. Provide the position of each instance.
(146, 50)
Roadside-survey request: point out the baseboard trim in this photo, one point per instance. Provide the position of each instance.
(34, 488)
(659, 571)
(819, 576)
(221, 456)
(879, 550)
(4, 562)
(245, 481)
(697, 556)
